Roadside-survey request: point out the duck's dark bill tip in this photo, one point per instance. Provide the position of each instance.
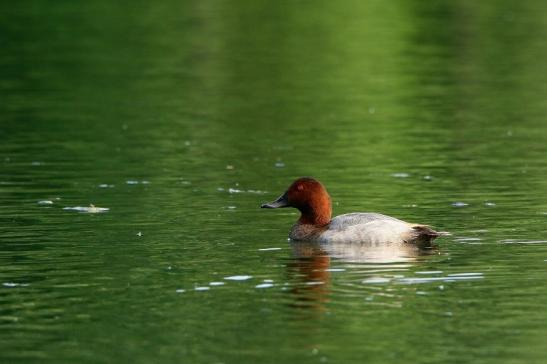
(282, 201)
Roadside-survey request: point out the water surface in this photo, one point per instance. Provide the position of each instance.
(182, 118)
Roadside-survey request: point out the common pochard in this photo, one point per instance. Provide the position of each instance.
(315, 224)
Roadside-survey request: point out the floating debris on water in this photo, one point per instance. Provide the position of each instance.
(459, 204)
(92, 209)
(449, 278)
(238, 278)
(264, 285)
(400, 175)
(236, 190)
(489, 204)
(268, 249)
(139, 233)
(45, 202)
(13, 284)
(216, 283)
(135, 182)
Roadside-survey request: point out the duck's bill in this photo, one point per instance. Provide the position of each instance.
(282, 201)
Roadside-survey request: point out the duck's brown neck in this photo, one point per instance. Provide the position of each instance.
(318, 213)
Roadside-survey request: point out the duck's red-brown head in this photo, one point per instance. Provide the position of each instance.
(309, 197)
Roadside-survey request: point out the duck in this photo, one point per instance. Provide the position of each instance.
(316, 224)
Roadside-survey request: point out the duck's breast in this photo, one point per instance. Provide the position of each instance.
(366, 228)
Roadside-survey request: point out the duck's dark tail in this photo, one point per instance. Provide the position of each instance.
(424, 235)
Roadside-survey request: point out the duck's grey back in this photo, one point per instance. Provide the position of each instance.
(357, 218)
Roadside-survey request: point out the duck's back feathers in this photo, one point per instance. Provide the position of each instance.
(373, 228)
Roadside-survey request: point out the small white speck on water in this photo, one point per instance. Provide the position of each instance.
(428, 178)
(257, 192)
(36, 163)
(489, 204)
(238, 278)
(375, 280)
(467, 274)
(279, 164)
(135, 182)
(90, 210)
(216, 283)
(459, 204)
(371, 110)
(187, 143)
(400, 175)
(45, 202)
(180, 290)
(264, 285)
(267, 280)
(139, 233)
(231, 207)
(335, 270)
(441, 287)
(314, 283)
(268, 249)
(201, 288)
(13, 284)
(229, 167)
(106, 185)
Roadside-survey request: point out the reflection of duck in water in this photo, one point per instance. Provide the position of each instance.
(310, 269)
(312, 200)
(310, 275)
(362, 252)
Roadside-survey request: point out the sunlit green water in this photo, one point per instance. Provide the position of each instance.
(434, 112)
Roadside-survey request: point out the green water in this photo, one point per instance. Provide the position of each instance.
(183, 117)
